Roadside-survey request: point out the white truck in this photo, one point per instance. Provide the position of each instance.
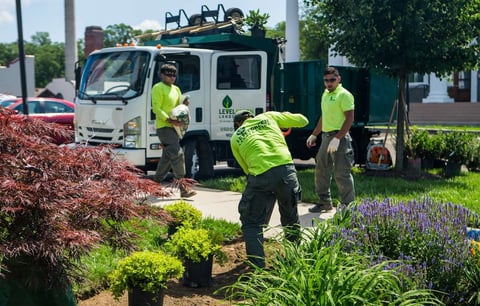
(113, 103)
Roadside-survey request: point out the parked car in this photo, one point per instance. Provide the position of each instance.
(6, 97)
(47, 109)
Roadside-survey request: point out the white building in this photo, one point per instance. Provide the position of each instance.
(10, 80)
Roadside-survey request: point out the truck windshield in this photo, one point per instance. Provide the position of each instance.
(113, 75)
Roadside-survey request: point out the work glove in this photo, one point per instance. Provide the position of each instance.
(311, 141)
(333, 145)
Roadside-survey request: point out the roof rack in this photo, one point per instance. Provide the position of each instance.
(207, 22)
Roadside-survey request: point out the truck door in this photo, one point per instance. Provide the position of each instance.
(238, 81)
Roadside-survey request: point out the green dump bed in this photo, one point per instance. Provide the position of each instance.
(299, 88)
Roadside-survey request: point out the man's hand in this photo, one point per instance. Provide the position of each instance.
(174, 122)
(311, 141)
(333, 145)
(186, 100)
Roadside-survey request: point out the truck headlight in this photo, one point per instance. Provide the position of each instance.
(132, 133)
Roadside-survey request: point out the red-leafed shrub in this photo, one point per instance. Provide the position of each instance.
(57, 202)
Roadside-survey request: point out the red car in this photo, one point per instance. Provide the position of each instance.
(47, 109)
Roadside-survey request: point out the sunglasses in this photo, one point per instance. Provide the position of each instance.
(330, 80)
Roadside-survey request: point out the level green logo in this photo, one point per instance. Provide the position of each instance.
(227, 102)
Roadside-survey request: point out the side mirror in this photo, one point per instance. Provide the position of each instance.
(78, 75)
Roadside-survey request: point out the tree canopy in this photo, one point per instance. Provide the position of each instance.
(402, 37)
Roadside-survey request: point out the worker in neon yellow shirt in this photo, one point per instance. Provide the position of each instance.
(165, 97)
(335, 155)
(260, 149)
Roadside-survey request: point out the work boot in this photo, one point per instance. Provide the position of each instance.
(320, 208)
(186, 193)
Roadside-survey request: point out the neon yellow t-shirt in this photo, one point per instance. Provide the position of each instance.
(259, 145)
(164, 99)
(334, 104)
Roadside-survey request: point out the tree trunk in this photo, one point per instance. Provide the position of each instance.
(400, 139)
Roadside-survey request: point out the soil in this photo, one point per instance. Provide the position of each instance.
(178, 294)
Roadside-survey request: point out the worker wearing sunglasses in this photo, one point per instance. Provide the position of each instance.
(335, 156)
(165, 97)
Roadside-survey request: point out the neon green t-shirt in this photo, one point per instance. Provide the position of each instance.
(259, 145)
(334, 104)
(164, 99)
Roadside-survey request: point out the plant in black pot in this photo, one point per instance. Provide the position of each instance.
(184, 214)
(197, 248)
(256, 22)
(144, 275)
(458, 147)
(426, 146)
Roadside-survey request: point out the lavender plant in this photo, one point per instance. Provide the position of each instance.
(319, 272)
(430, 238)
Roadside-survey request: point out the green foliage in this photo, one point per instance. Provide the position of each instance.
(41, 39)
(8, 52)
(403, 37)
(255, 19)
(148, 271)
(119, 34)
(277, 31)
(225, 230)
(193, 244)
(313, 36)
(473, 163)
(421, 145)
(458, 146)
(98, 265)
(317, 272)
(184, 214)
(462, 189)
(472, 273)
(235, 184)
(49, 62)
(376, 36)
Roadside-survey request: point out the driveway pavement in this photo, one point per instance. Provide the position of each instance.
(221, 204)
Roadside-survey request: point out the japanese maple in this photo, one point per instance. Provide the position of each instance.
(57, 202)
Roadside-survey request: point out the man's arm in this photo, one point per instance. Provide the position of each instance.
(289, 120)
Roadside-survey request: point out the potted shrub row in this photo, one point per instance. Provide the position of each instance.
(453, 148)
(188, 255)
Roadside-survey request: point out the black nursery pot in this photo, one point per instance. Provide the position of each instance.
(198, 274)
(138, 297)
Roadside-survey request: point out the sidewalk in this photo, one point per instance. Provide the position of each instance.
(221, 204)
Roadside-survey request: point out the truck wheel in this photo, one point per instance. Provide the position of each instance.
(191, 157)
(233, 13)
(205, 158)
(196, 19)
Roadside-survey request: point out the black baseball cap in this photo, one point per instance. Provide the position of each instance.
(241, 116)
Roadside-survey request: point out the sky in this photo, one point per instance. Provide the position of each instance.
(48, 15)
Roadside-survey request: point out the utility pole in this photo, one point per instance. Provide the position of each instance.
(21, 51)
(70, 41)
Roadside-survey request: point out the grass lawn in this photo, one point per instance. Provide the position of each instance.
(463, 190)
